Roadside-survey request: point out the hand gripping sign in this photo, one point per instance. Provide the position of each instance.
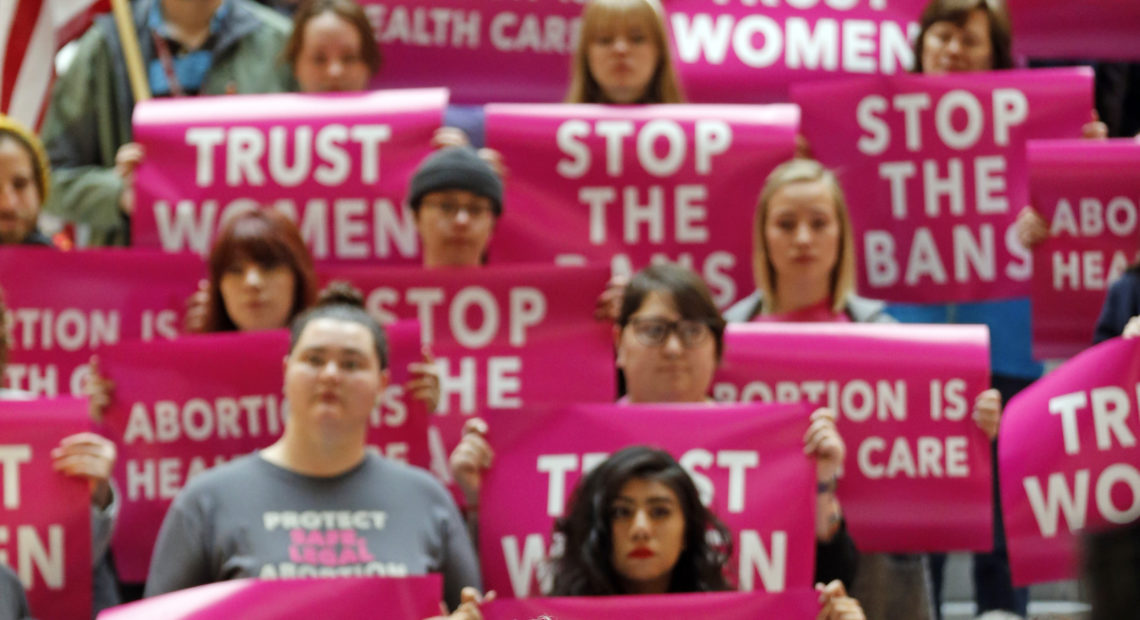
(181, 407)
(747, 461)
(45, 516)
(917, 476)
(933, 168)
(630, 185)
(1088, 192)
(338, 165)
(1068, 459)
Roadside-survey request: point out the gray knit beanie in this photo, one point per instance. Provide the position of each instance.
(456, 168)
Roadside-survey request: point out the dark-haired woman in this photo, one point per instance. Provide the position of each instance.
(332, 47)
(317, 502)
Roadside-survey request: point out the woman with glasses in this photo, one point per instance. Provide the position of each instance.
(456, 199)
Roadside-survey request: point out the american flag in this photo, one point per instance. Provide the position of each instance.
(31, 31)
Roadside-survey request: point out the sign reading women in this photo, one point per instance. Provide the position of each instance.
(337, 164)
(1089, 193)
(628, 185)
(934, 172)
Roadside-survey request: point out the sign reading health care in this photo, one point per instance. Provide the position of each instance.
(338, 165)
(1103, 29)
(747, 461)
(791, 604)
(1088, 191)
(354, 598)
(627, 185)
(1068, 461)
(181, 407)
(45, 516)
(918, 469)
(63, 306)
(752, 50)
(934, 173)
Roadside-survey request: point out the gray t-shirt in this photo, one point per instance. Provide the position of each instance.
(13, 604)
(250, 518)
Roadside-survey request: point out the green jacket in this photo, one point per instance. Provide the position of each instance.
(90, 113)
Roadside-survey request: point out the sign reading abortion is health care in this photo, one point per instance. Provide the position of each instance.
(64, 306)
(1088, 191)
(743, 51)
(747, 462)
(503, 337)
(628, 185)
(934, 172)
(338, 165)
(184, 406)
(917, 476)
(45, 516)
(1068, 461)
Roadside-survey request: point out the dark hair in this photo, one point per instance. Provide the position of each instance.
(586, 566)
(1111, 569)
(957, 12)
(689, 293)
(268, 238)
(342, 301)
(349, 11)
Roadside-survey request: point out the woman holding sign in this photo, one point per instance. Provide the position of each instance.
(623, 55)
(804, 267)
(317, 502)
(332, 47)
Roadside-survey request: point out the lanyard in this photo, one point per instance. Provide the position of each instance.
(167, 62)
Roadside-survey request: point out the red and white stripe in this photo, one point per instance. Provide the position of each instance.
(31, 31)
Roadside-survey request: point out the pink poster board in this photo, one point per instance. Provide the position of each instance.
(1068, 461)
(1093, 29)
(501, 336)
(627, 185)
(338, 165)
(45, 516)
(1088, 192)
(792, 604)
(934, 172)
(918, 473)
(92, 299)
(748, 459)
(184, 406)
(353, 598)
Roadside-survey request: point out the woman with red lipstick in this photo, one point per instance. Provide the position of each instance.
(804, 266)
(623, 55)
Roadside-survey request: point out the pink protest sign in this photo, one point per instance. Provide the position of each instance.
(357, 598)
(627, 185)
(338, 165)
(1068, 461)
(1087, 191)
(792, 604)
(934, 172)
(747, 460)
(917, 476)
(67, 305)
(737, 51)
(481, 51)
(1094, 29)
(501, 336)
(181, 407)
(45, 516)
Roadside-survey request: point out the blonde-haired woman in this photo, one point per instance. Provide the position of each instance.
(623, 55)
(804, 267)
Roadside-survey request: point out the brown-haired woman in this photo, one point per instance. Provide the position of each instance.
(332, 47)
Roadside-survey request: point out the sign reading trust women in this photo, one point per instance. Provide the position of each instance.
(503, 337)
(338, 165)
(917, 476)
(45, 516)
(934, 172)
(184, 406)
(1088, 191)
(740, 51)
(1068, 461)
(747, 461)
(627, 185)
(64, 306)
